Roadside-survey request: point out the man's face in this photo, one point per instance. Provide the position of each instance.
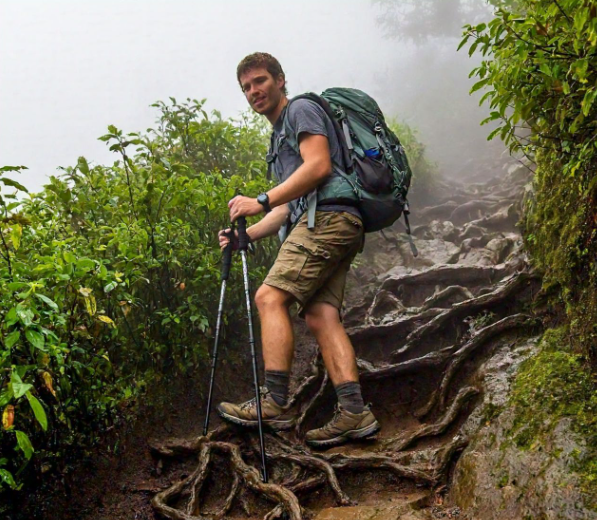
(262, 91)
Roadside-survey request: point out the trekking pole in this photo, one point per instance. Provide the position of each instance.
(226, 262)
(243, 245)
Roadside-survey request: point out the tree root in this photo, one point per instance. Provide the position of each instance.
(370, 372)
(399, 443)
(307, 409)
(467, 308)
(197, 484)
(479, 339)
(370, 462)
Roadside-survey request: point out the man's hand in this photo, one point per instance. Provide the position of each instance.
(243, 207)
(224, 238)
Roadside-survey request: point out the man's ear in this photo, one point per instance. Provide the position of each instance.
(281, 81)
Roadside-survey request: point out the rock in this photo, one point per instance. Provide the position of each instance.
(494, 479)
(407, 508)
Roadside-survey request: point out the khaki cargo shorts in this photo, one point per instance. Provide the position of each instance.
(312, 264)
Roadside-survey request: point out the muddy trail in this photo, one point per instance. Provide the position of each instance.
(422, 328)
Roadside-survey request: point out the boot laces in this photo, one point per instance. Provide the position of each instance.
(332, 423)
(251, 403)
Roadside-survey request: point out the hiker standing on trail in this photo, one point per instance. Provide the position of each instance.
(312, 263)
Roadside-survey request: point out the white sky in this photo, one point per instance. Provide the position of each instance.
(70, 68)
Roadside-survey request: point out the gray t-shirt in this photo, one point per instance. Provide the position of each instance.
(305, 115)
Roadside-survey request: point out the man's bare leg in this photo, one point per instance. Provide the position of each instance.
(277, 335)
(354, 420)
(278, 349)
(324, 323)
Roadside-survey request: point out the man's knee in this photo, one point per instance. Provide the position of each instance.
(320, 316)
(268, 297)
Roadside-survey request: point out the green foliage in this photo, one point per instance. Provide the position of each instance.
(540, 78)
(549, 387)
(424, 171)
(110, 279)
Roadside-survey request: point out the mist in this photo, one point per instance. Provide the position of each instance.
(69, 69)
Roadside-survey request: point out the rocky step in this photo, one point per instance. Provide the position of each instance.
(412, 507)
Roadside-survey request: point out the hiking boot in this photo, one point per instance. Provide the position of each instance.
(273, 415)
(343, 427)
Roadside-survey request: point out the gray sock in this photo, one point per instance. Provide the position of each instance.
(277, 382)
(349, 396)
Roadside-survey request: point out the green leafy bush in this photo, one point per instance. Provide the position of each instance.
(541, 77)
(110, 279)
(424, 171)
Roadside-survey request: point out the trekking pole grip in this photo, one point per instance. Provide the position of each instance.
(243, 238)
(227, 256)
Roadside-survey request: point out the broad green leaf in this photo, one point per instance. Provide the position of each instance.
(69, 257)
(83, 165)
(588, 101)
(35, 338)
(12, 338)
(13, 183)
(19, 389)
(47, 301)
(38, 411)
(25, 444)
(11, 317)
(7, 478)
(85, 264)
(25, 314)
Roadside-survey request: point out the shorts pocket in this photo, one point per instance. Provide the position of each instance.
(304, 258)
(292, 261)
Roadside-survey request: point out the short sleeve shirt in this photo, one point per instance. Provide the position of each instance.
(306, 116)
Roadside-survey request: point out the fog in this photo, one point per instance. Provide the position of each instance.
(70, 68)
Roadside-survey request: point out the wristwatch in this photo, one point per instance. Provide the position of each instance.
(263, 199)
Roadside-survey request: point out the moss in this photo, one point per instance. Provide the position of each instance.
(555, 384)
(561, 235)
(503, 481)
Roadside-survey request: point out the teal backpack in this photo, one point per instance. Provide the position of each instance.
(375, 175)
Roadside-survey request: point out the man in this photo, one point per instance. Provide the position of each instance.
(312, 263)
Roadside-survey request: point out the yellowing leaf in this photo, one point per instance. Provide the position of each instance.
(107, 320)
(85, 292)
(15, 236)
(91, 305)
(47, 378)
(8, 417)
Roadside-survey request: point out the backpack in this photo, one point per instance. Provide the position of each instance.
(375, 175)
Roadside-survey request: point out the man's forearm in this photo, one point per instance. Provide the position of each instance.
(270, 224)
(304, 180)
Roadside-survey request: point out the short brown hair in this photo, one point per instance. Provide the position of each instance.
(258, 60)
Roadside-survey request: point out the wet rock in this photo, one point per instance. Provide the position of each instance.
(408, 508)
(431, 252)
(494, 479)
